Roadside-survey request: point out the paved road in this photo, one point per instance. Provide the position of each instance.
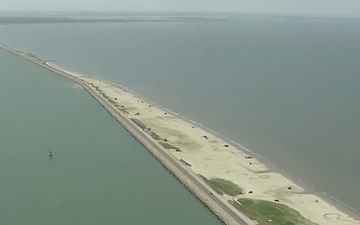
(220, 207)
(154, 148)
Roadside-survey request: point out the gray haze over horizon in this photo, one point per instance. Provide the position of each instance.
(335, 8)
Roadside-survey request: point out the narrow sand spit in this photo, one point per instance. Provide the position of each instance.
(206, 154)
(211, 158)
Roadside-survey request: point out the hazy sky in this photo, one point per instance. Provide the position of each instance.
(309, 7)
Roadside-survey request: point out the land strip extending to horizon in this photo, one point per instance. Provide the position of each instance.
(238, 188)
(66, 19)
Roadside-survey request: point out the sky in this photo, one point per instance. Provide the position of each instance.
(347, 8)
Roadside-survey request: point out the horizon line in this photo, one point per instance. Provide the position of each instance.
(279, 15)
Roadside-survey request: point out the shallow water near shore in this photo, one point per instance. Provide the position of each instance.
(98, 173)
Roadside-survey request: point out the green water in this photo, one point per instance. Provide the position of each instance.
(98, 174)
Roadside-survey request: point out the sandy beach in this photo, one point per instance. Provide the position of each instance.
(210, 158)
(203, 153)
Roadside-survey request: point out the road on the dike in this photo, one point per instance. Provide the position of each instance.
(202, 191)
(211, 200)
(226, 214)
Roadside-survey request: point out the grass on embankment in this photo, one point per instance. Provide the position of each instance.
(155, 136)
(222, 186)
(270, 213)
(167, 145)
(139, 124)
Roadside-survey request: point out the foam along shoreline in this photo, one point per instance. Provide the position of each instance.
(198, 151)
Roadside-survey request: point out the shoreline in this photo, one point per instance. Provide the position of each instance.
(341, 206)
(84, 80)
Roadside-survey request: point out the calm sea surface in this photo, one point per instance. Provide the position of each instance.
(288, 89)
(98, 174)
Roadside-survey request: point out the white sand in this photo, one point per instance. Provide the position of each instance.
(210, 158)
(64, 70)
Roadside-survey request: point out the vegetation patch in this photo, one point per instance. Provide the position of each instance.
(186, 163)
(139, 123)
(214, 187)
(270, 213)
(227, 186)
(155, 136)
(167, 145)
(222, 186)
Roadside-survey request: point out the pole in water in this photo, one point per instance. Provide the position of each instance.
(50, 154)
